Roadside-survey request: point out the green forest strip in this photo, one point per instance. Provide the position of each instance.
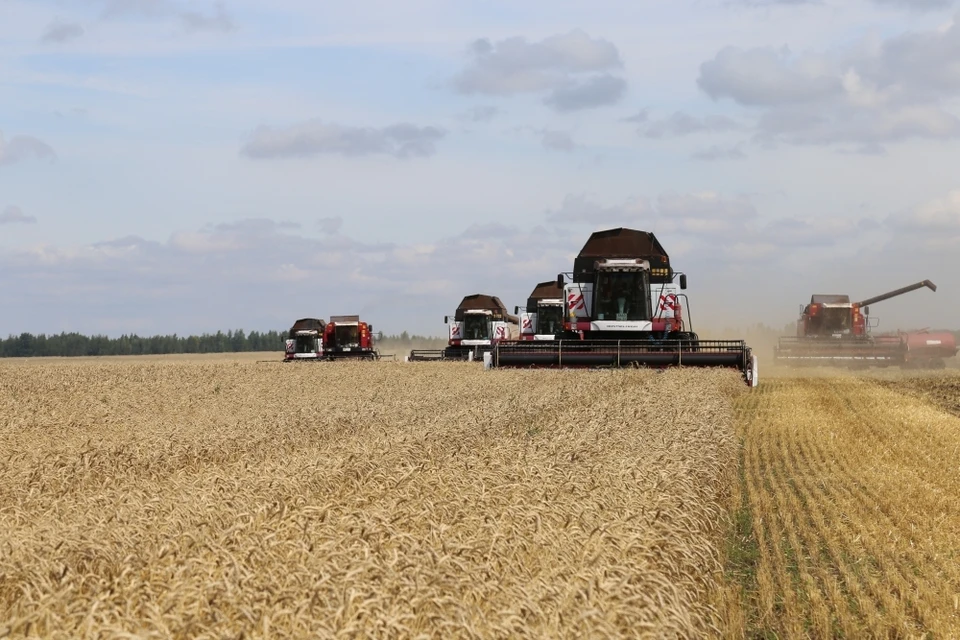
(27, 345)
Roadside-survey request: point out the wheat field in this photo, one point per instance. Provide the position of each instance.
(202, 498)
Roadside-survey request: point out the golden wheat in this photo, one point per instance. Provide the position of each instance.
(202, 499)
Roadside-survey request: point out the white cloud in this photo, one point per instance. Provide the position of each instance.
(59, 31)
(572, 69)
(191, 15)
(935, 224)
(13, 214)
(557, 141)
(316, 137)
(871, 93)
(680, 123)
(20, 147)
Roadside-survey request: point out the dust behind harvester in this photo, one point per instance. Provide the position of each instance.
(834, 331)
(623, 307)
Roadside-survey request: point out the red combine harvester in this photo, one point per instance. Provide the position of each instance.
(832, 330)
(348, 337)
(623, 309)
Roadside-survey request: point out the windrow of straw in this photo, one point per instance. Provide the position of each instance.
(388, 500)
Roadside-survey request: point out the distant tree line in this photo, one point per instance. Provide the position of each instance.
(74, 344)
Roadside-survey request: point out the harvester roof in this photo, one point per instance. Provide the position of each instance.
(622, 243)
(307, 324)
(543, 291)
(481, 301)
(821, 298)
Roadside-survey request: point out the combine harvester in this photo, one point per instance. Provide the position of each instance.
(478, 323)
(542, 318)
(833, 331)
(622, 309)
(305, 340)
(349, 338)
(343, 338)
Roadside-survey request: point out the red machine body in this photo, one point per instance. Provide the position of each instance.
(830, 315)
(927, 349)
(348, 337)
(833, 330)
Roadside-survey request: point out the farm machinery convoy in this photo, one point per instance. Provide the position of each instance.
(623, 307)
(832, 331)
(343, 338)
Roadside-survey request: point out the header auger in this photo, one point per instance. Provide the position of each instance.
(622, 307)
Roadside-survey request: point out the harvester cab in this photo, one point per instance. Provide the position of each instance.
(831, 316)
(349, 337)
(542, 317)
(304, 340)
(623, 307)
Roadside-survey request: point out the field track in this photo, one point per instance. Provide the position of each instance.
(850, 515)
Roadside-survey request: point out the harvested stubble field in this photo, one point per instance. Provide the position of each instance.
(237, 499)
(848, 521)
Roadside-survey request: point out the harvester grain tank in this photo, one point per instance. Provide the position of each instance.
(927, 349)
(542, 318)
(304, 340)
(479, 322)
(348, 337)
(832, 330)
(623, 307)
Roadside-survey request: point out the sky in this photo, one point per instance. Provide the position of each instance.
(171, 166)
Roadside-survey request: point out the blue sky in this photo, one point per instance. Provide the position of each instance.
(191, 166)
